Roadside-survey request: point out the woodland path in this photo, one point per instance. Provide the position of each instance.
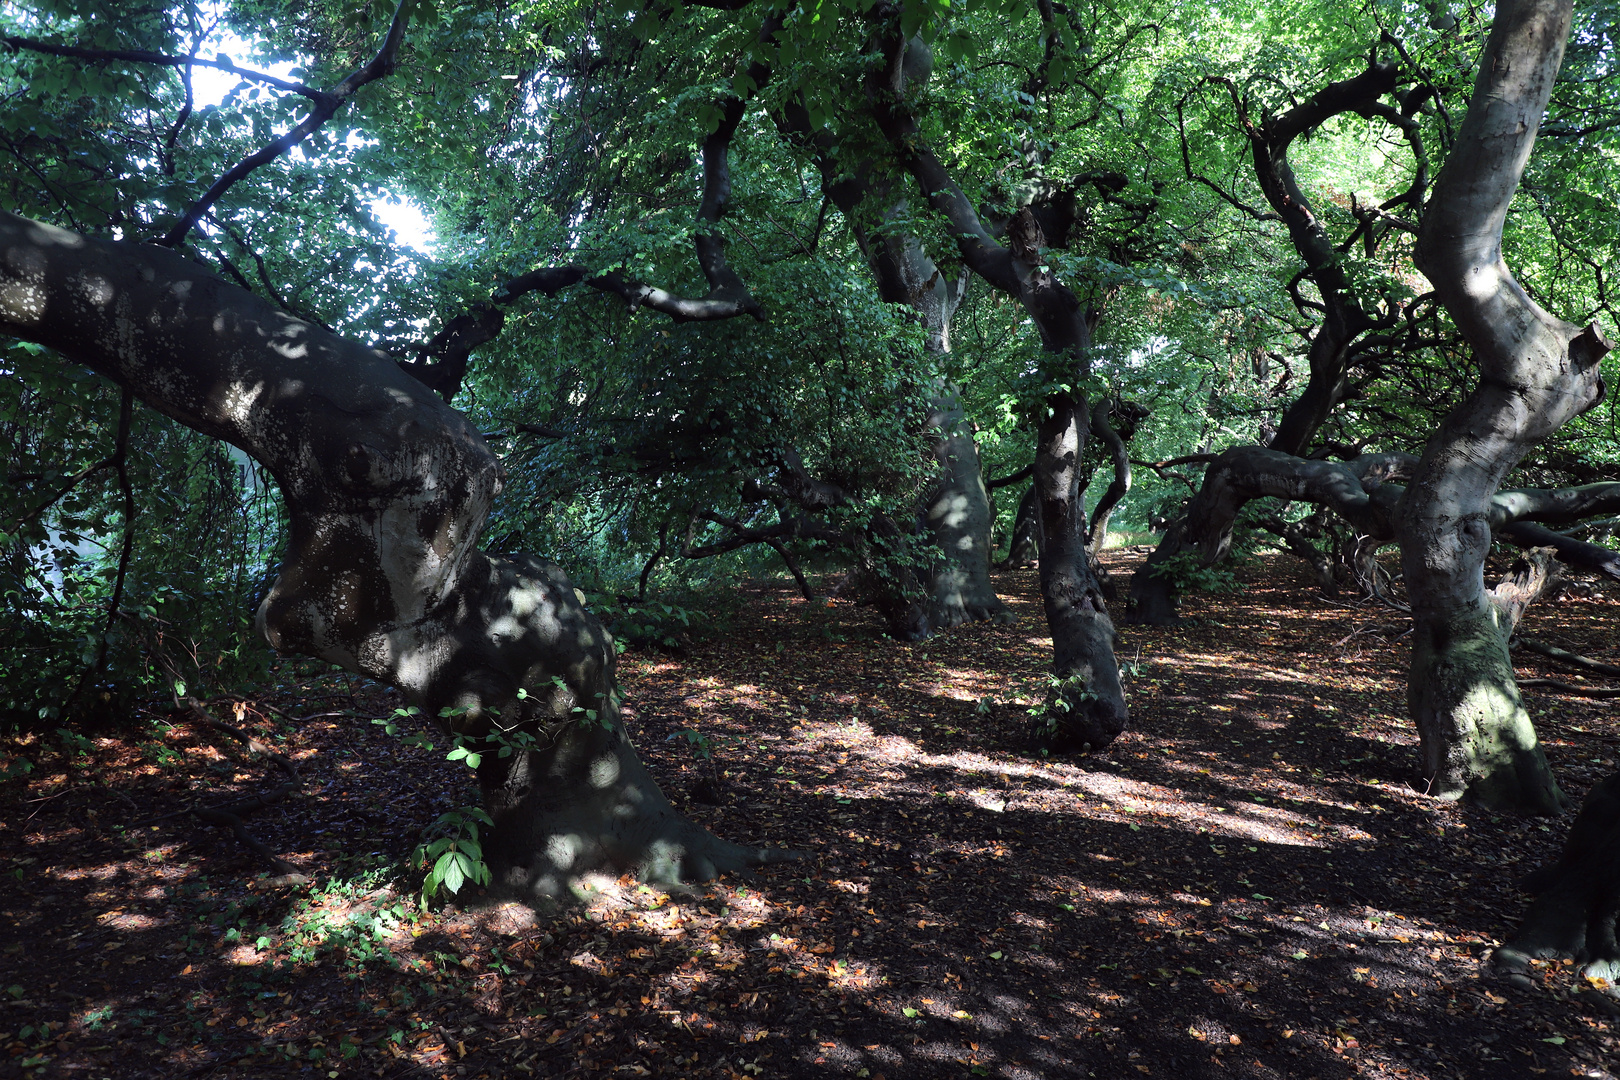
(1243, 887)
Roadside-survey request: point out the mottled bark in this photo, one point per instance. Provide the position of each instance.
(1536, 372)
(956, 517)
(386, 488)
(1092, 707)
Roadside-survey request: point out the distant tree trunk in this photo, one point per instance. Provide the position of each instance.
(386, 488)
(1113, 440)
(1358, 491)
(1537, 371)
(956, 517)
(1025, 546)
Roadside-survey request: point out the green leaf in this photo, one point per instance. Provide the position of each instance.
(452, 876)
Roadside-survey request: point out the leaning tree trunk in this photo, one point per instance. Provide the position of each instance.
(1536, 372)
(386, 488)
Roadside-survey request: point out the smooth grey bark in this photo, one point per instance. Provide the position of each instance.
(1090, 703)
(1536, 372)
(951, 585)
(1087, 709)
(386, 488)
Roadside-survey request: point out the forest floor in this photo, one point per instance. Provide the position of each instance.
(1243, 886)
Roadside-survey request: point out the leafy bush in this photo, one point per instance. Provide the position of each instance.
(1187, 572)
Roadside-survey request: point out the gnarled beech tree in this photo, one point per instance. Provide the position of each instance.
(953, 586)
(1351, 331)
(1365, 493)
(1536, 372)
(1090, 710)
(386, 488)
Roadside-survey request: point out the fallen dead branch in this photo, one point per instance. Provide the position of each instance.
(1563, 656)
(1562, 687)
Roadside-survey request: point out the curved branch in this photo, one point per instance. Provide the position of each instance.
(142, 56)
(1572, 552)
(379, 66)
(1011, 478)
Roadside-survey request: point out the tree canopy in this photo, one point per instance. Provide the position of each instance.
(742, 286)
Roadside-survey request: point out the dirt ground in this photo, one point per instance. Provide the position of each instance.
(1243, 886)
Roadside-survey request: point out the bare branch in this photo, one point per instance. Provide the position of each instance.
(326, 107)
(142, 56)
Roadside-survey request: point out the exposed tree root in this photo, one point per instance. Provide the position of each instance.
(586, 804)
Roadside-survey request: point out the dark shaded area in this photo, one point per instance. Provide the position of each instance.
(1242, 886)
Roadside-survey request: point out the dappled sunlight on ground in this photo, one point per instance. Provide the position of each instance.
(1242, 886)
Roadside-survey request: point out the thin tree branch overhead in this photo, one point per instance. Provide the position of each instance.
(379, 66)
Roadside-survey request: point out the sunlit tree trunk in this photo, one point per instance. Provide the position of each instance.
(1536, 372)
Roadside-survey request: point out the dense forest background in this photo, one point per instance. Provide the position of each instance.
(534, 382)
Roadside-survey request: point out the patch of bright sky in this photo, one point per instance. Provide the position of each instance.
(209, 86)
(411, 226)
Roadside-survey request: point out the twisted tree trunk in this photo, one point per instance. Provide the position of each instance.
(1090, 704)
(386, 488)
(1536, 372)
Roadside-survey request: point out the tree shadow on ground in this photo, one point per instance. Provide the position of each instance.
(1242, 886)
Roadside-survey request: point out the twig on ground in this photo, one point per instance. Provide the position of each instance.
(1563, 656)
(230, 816)
(1562, 687)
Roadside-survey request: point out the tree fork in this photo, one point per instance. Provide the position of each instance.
(1536, 372)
